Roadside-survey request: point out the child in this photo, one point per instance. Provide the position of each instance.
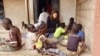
(70, 24)
(14, 42)
(74, 40)
(42, 28)
(81, 35)
(39, 43)
(51, 49)
(45, 47)
(30, 37)
(59, 32)
(42, 17)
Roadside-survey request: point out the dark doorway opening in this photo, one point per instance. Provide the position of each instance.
(48, 4)
(2, 15)
(42, 4)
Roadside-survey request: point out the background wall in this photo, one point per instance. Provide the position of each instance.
(67, 10)
(96, 37)
(85, 16)
(16, 11)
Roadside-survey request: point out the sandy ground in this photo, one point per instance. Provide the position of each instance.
(31, 53)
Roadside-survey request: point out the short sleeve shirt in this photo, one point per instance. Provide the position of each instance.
(73, 42)
(81, 34)
(58, 32)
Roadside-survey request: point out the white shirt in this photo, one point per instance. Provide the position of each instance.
(43, 17)
(30, 38)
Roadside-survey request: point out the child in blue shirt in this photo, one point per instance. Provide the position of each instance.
(80, 32)
(82, 36)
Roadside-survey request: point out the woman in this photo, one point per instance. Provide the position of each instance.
(53, 22)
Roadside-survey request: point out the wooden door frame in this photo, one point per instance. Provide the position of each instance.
(29, 10)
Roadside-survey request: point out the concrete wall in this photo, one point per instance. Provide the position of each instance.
(85, 16)
(96, 37)
(67, 10)
(16, 11)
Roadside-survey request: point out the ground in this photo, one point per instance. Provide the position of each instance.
(22, 52)
(30, 53)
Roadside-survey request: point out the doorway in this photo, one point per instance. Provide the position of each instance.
(2, 15)
(48, 4)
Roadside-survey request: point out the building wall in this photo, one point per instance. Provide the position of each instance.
(85, 16)
(67, 10)
(16, 11)
(96, 37)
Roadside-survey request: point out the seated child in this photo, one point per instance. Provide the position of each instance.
(42, 29)
(60, 31)
(74, 40)
(52, 50)
(81, 35)
(15, 42)
(71, 22)
(39, 43)
(45, 47)
(30, 37)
